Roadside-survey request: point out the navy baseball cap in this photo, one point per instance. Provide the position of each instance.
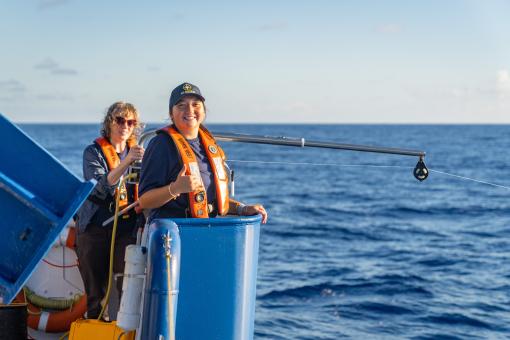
(185, 89)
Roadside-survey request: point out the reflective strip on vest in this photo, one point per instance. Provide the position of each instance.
(215, 153)
(198, 200)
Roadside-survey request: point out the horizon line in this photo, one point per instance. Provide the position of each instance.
(280, 123)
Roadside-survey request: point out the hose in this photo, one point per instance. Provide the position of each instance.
(48, 303)
(112, 243)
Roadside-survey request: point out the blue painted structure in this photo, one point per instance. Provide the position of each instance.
(38, 197)
(218, 257)
(218, 276)
(162, 280)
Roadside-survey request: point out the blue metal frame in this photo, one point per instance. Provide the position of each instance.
(38, 197)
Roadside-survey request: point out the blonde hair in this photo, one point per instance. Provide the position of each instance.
(121, 109)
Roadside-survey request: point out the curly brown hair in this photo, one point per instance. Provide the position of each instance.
(122, 109)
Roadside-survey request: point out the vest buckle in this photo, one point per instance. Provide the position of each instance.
(200, 196)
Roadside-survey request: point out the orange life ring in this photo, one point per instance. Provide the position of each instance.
(71, 238)
(53, 322)
(56, 321)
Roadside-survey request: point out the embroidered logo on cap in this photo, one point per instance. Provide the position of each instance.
(187, 88)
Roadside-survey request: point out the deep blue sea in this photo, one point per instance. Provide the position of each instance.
(354, 249)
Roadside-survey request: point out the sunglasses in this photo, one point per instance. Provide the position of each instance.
(121, 121)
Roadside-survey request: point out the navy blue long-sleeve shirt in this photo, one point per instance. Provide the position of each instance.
(161, 165)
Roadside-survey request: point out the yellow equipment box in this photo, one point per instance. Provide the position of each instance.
(98, 330)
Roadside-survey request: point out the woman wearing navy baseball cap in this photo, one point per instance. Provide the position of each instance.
(183, 172)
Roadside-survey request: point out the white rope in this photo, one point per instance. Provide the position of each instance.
(372, 166)
(471, 179)
(323, 164)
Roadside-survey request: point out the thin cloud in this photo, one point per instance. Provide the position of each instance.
(459, 92)
(498, 86)
(55, 97)
(274, 26)
(46, 64)
(53, 67)
(12, 86)
(64, 71)
(176, 17)
(503, 81)
(48, 4)
(389, 28)
(12, 91)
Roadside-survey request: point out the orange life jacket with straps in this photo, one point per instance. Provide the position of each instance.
(113, 161)
(198, 200)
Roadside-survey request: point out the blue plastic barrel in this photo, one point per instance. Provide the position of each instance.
(38, 197)
(218, 277)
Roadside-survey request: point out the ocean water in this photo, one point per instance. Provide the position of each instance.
(355, 247)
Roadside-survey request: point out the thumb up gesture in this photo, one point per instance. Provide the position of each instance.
(187, 183)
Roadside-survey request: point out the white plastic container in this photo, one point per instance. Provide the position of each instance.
(128, 317)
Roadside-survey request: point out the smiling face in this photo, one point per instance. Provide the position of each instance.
(120, 123)
(187, 115)
(122, 127)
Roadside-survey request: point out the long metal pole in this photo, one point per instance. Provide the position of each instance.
(300, 142)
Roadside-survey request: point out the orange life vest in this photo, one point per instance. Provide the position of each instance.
(215, 155)
(113, 161)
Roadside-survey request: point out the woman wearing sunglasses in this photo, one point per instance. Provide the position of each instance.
(183, 172)
(106, 160)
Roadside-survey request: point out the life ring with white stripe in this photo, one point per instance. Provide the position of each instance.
(56, 321)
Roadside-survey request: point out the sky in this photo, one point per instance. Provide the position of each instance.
(278, 61)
